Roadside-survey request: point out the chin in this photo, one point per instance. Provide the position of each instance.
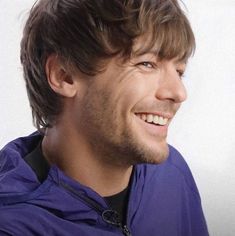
(155, 154)
(159, 155)
(158, 149)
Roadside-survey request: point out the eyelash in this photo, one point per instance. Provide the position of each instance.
(180, 73)
(152, 65)
(147, 64)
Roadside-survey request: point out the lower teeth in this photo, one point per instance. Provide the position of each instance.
(152, 123)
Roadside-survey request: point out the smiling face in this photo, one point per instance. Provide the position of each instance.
(125, 111)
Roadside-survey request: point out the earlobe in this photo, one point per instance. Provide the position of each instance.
(58, 78)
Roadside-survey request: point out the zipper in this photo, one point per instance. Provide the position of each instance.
(126, 231)
(108, 215)
(112, 217)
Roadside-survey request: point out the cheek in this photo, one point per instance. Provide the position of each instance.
(135, 93)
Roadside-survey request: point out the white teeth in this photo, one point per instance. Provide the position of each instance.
(165, 121)
(149, 118)
(158, 120)
(143, 117)
(161, 121)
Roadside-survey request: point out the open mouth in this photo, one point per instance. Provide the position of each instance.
(153, 119)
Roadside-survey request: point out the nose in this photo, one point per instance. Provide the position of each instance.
(171, 87)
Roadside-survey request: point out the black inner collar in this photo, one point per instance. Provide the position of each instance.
(38, 163)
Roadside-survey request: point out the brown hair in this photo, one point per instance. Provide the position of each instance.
(84, 33)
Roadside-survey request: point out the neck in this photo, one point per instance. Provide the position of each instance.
(67, 150)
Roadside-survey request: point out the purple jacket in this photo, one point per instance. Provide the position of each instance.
(164, 200)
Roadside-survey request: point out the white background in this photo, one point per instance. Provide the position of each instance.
(204, 129)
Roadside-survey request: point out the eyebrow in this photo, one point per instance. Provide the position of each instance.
(149, 53)
(155, 55)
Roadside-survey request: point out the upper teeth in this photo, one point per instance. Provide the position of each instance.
(150, 118)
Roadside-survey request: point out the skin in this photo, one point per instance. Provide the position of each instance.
(99, 134)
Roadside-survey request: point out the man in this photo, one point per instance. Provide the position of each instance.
(104, 82)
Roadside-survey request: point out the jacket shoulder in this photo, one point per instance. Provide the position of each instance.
(178, 163)
(174, 170)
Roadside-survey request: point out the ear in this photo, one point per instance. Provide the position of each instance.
(58, 78)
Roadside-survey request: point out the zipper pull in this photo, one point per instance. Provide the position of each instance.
(126, 231)
(112, 217)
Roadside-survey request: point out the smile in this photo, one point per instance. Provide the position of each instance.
(153, 119)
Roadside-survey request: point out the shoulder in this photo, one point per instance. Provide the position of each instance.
(170, 193)
(178, 163)
(16, 176)
(12, 155)
(173, 171)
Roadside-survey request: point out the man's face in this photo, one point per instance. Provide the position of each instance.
(125, 111)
